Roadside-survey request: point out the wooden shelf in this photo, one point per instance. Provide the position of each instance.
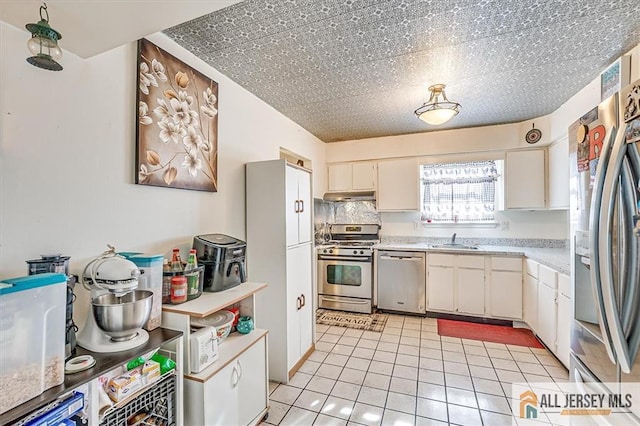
(209, 303)
(232, 347)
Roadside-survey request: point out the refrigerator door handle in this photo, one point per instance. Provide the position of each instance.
(597, 259)
(612, 185)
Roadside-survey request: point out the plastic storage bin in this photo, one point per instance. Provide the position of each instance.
(32, 335)
(151, 279)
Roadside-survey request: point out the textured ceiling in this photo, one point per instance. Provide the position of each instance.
(352, 69)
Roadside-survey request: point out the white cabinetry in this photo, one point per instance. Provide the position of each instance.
(440, 282)
(359, 176)
(530, 294)
(477, 285)
(547, 306)
(470, 283)
(506, 287)
(558, 182)
(565, 317)
(230, 397)
(298, 205)
(525, 179)
(398, 185)
(285, 308)
(300, 306)
(234, 389)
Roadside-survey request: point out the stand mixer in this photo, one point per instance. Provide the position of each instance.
(118, 309)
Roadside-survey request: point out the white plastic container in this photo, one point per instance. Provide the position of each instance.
(32, 336)
(151, 279)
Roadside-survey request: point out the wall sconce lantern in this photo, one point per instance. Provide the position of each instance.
(43, 43)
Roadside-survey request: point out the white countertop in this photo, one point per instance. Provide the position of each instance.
(556, 258)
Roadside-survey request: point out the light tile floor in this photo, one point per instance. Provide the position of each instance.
(407, 375)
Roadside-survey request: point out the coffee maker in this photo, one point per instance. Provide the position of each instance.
(60, 264)
(223, 258)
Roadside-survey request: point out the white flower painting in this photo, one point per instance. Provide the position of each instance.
(177, 123)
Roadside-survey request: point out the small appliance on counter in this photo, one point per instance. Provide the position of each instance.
(224, 260)
(118, 308)
(56, 263)
(204, 348)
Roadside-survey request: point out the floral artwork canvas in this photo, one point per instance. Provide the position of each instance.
(177, 123)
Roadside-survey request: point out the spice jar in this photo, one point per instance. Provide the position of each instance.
(178, 289)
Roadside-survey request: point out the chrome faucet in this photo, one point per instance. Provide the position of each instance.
(453, 239)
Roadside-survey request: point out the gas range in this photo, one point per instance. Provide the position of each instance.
(352, 240)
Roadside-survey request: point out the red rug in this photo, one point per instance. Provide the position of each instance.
(488, 333)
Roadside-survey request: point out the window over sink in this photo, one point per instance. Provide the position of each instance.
(460, 192)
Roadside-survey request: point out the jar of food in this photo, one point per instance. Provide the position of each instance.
(178, 289)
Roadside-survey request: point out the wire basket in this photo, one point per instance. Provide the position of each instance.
(193, 292)
(157, 404)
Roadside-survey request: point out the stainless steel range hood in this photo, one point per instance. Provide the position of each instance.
(350, 196)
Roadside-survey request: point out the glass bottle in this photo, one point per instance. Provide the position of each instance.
(192, 277)
(176, 261)
(166, 282)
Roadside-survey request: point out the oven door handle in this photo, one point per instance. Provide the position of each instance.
(350, 301)
(347, 258)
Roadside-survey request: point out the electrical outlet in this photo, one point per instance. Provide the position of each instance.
(416, 225)
(504, 225)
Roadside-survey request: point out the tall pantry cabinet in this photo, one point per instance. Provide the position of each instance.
(280, 252)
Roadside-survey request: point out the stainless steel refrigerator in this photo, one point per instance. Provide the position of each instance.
(605, 220)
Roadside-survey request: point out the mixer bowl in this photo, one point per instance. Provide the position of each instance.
(122, 317)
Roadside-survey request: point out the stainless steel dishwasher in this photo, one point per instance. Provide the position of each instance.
(402, 281)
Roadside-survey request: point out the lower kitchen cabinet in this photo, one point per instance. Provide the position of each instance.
(565, 317)
(470, 291)
(440, 282)
(548, 306)
(441, 287)
(235, 395)
(476, 285)
(506, 287)
(530, 294)
(299, 305)
(233, 390)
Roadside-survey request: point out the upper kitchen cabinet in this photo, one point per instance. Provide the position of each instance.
(298, 205)
(558, 176)
(360, 176)
(524, 180)
(398, 185)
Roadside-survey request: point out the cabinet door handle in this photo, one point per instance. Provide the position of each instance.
(296, 206)
(235, 377)
(302, 205)
(240, 368)
(298, 304)
(303, 300)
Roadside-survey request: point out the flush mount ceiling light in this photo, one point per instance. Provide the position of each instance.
(435, 111)
(43, 43)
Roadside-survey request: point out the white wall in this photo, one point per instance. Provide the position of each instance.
(67, 153)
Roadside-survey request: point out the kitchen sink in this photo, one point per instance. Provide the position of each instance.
(455, 246)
